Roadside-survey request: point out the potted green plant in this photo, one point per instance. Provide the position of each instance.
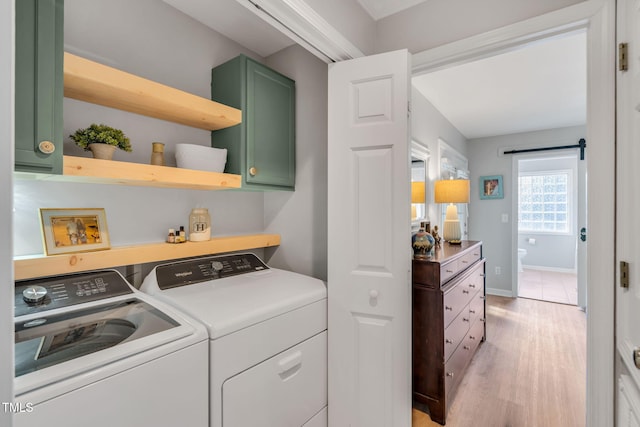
(101, 140)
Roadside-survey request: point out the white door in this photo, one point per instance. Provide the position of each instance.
(369, 261)
(628, 177)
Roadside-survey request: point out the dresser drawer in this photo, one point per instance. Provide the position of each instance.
(474, 337)
(455, 300)
(456, 333)
(457, 363)
(448, 270)
(468, 259)
(476, 308)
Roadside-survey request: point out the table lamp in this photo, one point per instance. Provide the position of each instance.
(452, 191)
(417, 196)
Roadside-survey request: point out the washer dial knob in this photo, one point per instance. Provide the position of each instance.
(34, 294)
(216, 266)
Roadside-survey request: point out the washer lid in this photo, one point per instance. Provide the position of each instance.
(233, 303)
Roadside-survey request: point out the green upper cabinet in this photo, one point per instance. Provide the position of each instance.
(39, 85)
(262, 147)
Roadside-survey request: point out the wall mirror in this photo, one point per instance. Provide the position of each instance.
(419, 183)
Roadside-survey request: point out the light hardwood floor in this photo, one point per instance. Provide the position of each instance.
(530, 372)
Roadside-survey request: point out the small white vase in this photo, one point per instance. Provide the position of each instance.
(102, 151)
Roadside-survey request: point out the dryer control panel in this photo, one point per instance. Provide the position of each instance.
(37, 295)
(205, 269)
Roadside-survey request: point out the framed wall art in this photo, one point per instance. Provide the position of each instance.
(491, 187)
(74, 230)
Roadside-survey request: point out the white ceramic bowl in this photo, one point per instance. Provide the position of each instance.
(201, 157)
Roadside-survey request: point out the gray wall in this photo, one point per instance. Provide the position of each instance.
(552, 251)
(153, 40)
(485, 215)
(437, 22)
(427, 126)
(6, 177)
(301, 216)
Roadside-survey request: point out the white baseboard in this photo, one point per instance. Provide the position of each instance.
(499, 292)
(553, 269)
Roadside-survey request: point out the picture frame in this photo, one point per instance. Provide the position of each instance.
(491, 187)
(70, 230)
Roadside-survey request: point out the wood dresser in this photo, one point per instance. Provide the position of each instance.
(448, 322)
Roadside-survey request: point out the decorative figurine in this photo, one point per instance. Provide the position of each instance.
(436, 237)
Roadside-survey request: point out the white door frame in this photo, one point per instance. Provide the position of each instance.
(6, 209)
(577, 219)
(598, 17)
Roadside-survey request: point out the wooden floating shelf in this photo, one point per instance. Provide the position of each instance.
(92, 82)
(113, 172)
(42, 266)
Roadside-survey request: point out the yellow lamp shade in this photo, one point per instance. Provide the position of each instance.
(452, 191)
(417, 192)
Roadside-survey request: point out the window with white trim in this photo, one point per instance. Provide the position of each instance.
(544, 202)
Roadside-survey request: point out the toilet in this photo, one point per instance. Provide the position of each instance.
(521, 254)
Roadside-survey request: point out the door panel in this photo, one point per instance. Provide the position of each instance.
(369, 242)
(628, 175)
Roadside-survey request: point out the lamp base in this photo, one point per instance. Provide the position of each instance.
(451, 230)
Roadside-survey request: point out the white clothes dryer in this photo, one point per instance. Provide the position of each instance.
(90, 350)
(268, 339)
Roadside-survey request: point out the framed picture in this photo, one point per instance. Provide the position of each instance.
(491, 187)
(74, 230)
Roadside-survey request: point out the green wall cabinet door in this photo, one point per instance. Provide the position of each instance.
(39, 86)
(262, 147)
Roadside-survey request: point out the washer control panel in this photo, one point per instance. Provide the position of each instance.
(36, 295)
(205, 269)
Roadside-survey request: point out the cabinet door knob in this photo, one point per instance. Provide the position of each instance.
(46, 147)
(253, 171)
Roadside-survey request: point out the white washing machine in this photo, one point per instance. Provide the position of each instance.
(268, 339)
(90, 350)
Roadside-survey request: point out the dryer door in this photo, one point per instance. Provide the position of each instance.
(286, 390)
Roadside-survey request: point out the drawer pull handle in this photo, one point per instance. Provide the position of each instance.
(465, 320)
(448, 341)
(482, 297)
(472, 337)
(449, 271)
(464, 291)
(483, 275)
(450, 374)
(466, 347)
(290, 365)
(446, 307)
(482, 319)
(472, 311)
(464, 261)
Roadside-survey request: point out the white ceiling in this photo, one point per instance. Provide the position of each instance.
(230, 18)
(379, 9)
(541, 86)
